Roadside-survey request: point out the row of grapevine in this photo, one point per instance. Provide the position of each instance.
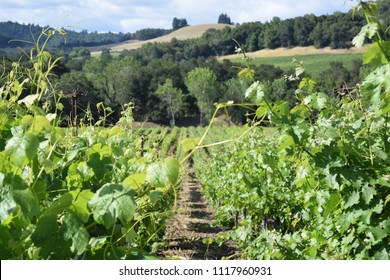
(88, 193)
(316, 184)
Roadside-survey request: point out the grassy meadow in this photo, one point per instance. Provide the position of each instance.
(313, 63)
(314, 60)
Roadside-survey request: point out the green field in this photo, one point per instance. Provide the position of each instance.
(313, 63)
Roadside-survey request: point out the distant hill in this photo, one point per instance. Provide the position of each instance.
(185, 33)
(96, 42)
(295, 51)
(14, 34)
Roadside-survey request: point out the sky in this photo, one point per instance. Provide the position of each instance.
(132, 15)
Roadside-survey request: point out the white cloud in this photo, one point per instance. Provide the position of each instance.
(132, 15)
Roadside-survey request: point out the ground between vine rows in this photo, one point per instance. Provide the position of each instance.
(192, 223)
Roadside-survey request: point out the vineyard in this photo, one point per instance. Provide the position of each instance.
(308, 181)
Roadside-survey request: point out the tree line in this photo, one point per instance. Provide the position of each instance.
(14, 34)
(335, 30)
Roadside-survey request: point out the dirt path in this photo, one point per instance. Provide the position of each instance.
(187, 230)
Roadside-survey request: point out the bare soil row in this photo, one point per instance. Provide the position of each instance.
(190, 231)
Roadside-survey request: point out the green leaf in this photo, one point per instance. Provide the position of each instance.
(256, 92)
(41, 123)
(386, 107)
(333, 202)
(7, 203)
(46, 226)
(29, 100)
(49, 239)
(353, 199)
(307, 83)
(375, 55)
(156, 175)
(382, 255)
(368, 193)
(301, 110)
(281, 107)
(134, 181)
(22, 147)
(303, 170)
(379, 233)
(172, 168)
(59, 205)
(377, 83)
(79, 205)
(368, 31)
(261, 111)
(112, 202)
(14, 194)
(97, 242)
(6, 119)
(75, 231)
(5, 242)
(320, 101)
(189, 144)
(246, 74)
(130, 234)
(155, 196)
(160, 174)
(286, 141)
(387, 199)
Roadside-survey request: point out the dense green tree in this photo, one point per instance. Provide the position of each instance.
(224, 18)
(172, 98)
(271, 36)
(286, 33)
(111, 80)
(179, 23)
(303, 26)
(320, 35)
(149, 33)
(384, 13)
(202, 83)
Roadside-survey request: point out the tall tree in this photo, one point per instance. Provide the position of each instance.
(179, 23)
(172, 97)
(303, 26)
(224, 18)
(271, 36)
(202, 83)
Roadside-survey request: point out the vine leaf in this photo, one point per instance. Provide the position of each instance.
(112, 202)
(368, 30)
(189, 144)
(333, 202)
(22, 147)
(14, 195)
(80, 204)
(162, 173)
(59, 205)
(75, 231)
(48, 237)
(368, 194)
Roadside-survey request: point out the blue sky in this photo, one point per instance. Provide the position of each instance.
(132, 15)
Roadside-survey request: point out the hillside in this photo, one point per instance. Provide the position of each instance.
(185, 33)
(295, 51)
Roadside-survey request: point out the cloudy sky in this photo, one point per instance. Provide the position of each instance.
(132, 15)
